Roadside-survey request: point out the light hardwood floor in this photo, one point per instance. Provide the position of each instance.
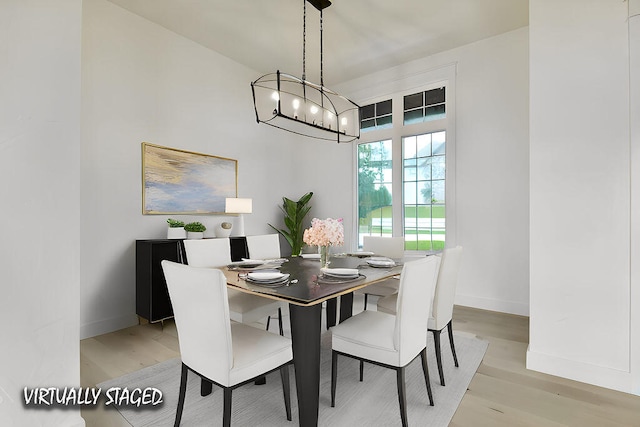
(502, 393)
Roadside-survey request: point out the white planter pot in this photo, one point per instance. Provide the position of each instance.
(195, 235)
(176, 233)
(222, 232)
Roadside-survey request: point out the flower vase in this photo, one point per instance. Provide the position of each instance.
(324, 256)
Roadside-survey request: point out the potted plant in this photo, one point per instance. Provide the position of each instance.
(223, 229)
(176, 229)
(294, 213)
(195, 230)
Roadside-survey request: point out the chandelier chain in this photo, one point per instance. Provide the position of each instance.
(304, 40)
(321, 55)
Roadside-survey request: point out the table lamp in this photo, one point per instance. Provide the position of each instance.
(234, 205)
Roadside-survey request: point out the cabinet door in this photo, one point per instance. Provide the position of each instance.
(152, 297)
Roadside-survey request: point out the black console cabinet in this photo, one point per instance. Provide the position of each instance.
(152, 297)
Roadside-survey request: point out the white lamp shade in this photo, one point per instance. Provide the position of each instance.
(238, 206)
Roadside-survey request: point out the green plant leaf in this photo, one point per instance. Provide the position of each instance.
(294, 213)
(195, 226)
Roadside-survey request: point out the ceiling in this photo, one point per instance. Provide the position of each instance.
(360, 36)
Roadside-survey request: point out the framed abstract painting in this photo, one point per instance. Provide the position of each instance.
(183, 182)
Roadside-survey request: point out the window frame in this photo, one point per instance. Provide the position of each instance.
(396, 133)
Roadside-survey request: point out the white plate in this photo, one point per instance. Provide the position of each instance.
(340, 272)
(361, 254)
(247, 263)
(310, 256)
(266, 277)
(276, 261)
(380, 262)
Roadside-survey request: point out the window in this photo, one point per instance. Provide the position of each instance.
(402, 169)
(376, 116)
(423, 179)
(424, 106)
(374, 190)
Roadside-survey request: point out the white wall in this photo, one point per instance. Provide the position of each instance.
(634, 111)
(144, 83)
(40, 194)
(492, 142)
(580, 191)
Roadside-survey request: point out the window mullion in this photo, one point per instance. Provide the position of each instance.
(398, 203)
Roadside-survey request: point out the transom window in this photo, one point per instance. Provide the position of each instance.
(424, 106)
(376, 116)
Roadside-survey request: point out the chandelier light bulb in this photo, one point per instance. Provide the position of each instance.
(275, 96)
(313, 109)
(343, 121)
(296, 104)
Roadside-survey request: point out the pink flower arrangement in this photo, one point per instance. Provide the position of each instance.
(327, 232)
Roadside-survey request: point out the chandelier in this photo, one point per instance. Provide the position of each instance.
(296, 105)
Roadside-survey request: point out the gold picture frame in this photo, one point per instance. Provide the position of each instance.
(184, 182)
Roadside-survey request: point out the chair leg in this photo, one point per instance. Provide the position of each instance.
(284, 374)
(226, 416)
(183, 391)
(436, 342)
(361, 370)
(280, 321)
(206, 387)
(366, 298)
(268, 322)
(402, 396)
(425, 369)
(334, 374)
(453, 347)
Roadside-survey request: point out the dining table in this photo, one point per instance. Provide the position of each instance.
(305, 290)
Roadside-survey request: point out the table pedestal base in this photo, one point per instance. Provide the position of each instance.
(305, 333)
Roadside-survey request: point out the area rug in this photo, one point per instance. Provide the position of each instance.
(373, 402)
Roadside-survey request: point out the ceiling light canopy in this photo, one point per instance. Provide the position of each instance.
(304, 108)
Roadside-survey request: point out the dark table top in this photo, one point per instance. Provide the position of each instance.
(310, 288)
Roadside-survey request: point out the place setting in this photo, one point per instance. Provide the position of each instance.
(380, 262)
(339, 275)
(247, 264)
(269, 279)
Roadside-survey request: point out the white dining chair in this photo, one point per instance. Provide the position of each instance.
(265, 247)
(220, 351)
(442, 306)
(390, 247)
(391, 341)
(243, 307)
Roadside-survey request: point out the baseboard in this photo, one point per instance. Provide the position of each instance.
(580, 371)
(100, 327)
(502, 306)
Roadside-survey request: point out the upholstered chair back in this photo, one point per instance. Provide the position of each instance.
(266, 246)
(417, 281)
(201, 312)
(208, 252)
(392, 247)
(445, 291)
